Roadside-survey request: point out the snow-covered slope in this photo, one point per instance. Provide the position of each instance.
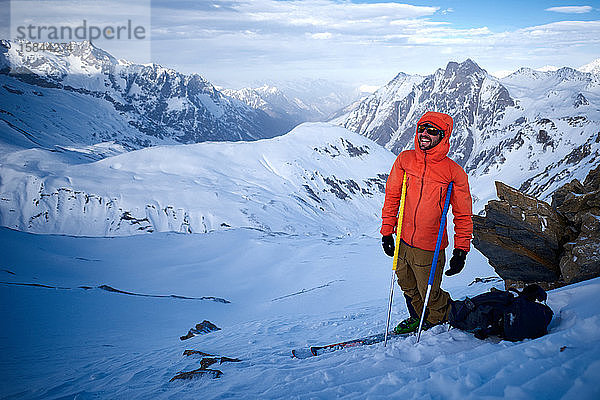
(532, 129)
(84, 95)
(318, 178)
(72, 339)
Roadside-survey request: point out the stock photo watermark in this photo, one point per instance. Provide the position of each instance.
(121, 28)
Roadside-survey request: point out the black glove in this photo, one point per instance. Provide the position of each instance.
(457, 262)
(388, 244)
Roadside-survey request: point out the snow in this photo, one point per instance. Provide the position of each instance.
(547, 68)
(211, 106)
(266, 185)
(92, 343)
(592, 67)
(176, 103)
(275, 265)
(291, 276)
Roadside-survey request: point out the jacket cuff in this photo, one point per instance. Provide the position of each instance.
(466, 250)
(387, 230)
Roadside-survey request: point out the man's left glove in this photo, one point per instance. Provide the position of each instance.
(457, 262)
(388, 244)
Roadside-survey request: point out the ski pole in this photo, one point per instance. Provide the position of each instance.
(395, 262)
(436, 254)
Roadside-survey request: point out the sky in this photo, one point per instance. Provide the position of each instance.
(238, 43)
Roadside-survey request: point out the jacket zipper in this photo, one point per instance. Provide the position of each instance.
(419, 201)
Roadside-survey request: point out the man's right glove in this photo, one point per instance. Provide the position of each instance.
(388, 244)
(457, 262)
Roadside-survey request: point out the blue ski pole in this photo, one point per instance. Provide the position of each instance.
(436, 254)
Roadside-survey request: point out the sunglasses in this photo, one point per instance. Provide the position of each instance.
(431, 131)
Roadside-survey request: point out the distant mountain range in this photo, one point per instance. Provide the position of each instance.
(299, 101)
(83, 95)
(532, 129)
(67, 118)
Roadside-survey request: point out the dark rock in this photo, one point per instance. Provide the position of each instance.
(572, 188)
(187, 335)
(196, 353)
(592, 181)
(581, 260)
(200, 329)
(205, 362)
(211, 373)
(489, 279)
(520, 236)
(580, 100)
(527, 240)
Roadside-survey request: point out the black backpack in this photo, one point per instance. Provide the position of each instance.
(511, 316)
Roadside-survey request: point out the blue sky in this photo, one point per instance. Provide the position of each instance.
(241, 42)
(511, 15)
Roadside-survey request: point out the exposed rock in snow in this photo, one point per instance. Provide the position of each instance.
(581, 207)
(202, 328)
(527, 240)
(520, 236)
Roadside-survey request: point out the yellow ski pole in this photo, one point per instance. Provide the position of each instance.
(396, 249)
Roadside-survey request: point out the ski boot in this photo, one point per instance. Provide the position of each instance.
(410, 324)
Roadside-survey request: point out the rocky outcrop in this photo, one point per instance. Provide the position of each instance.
(520, 236)
(202, 328)
(581, 208)
(527, 240)
(206, 361)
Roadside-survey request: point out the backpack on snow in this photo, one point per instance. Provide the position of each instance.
(504, 314)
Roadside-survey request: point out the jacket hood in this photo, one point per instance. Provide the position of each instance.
(445, 123)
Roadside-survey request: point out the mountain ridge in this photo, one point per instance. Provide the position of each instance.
(156, 105)
(544, 122)
(317, 179)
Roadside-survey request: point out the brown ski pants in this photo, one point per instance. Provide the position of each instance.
(413, 271)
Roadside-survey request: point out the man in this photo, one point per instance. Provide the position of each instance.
(429, 171)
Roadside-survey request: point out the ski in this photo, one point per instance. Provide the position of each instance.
(364, 341)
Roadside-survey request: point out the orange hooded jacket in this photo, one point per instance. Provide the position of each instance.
(429, 173)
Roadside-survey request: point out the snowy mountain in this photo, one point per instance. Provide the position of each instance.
(592, 67)
(532, 129)
(272, 101)
(83, 95)
(316, 179)
(465, 91)
(320, 97)
(289, 254)
(299, 101)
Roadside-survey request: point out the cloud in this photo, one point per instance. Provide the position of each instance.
(321, 35)
(570, 9)
(245, 40)
(286, 17)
